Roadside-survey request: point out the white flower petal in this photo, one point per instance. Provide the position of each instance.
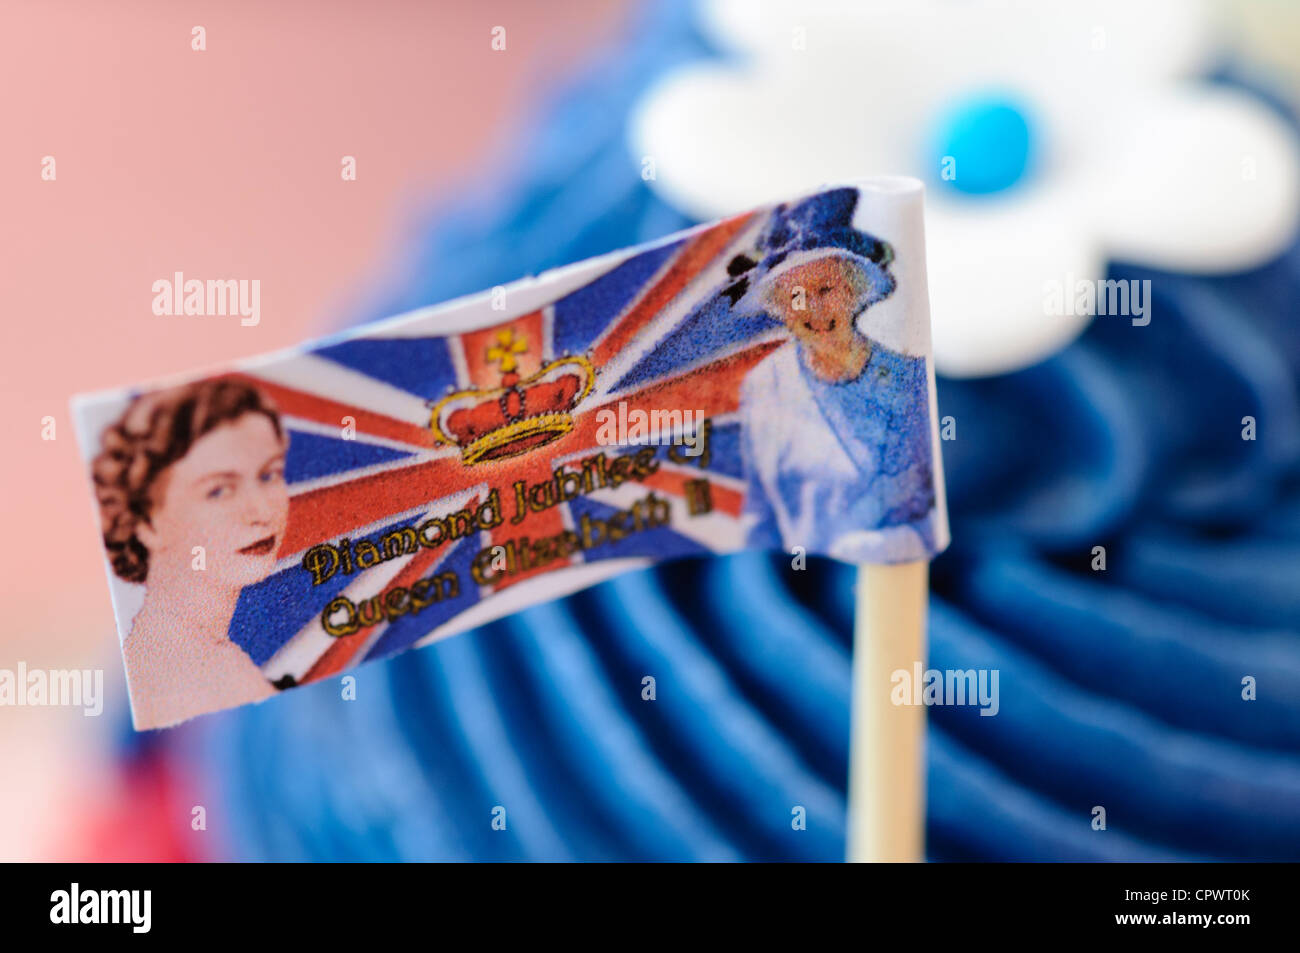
(1205, 179)
(1128, 167)
(1118, 42)
(990, 268)
(724, 141)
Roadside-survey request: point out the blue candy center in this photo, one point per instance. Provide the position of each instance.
(981, 144)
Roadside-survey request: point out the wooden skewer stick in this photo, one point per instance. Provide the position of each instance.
(887, 741)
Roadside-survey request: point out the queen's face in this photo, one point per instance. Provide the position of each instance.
(817, 301)
(228, 495)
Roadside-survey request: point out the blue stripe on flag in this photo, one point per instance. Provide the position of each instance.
(276, 609)
(313, 455)
(581, 316)
(706, 332)
(421, 366)
(661, 543)
(406, 630)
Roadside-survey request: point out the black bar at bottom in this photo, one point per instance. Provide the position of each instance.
(332, 902)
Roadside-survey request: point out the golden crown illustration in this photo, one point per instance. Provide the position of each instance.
(520, 415)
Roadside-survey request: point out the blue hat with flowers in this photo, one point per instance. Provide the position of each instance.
(810, 230)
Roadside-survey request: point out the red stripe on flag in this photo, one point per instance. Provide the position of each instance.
(322, 410)
(333, 511)
(710, 390)
(724, 498)
(485, 371)
(534, 526)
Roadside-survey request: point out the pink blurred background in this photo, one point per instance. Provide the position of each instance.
(219, 163)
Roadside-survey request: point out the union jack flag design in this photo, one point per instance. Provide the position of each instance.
(449, 466)
(653, 347)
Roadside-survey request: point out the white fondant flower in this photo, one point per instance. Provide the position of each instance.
(1053, 135)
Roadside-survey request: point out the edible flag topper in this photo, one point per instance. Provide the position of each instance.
(760, 382)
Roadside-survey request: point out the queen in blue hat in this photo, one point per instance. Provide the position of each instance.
(835, 427)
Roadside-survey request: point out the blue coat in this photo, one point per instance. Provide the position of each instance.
(842, 469)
